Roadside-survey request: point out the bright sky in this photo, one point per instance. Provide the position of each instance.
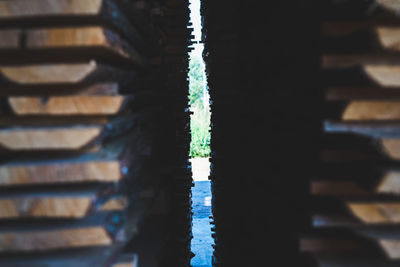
(195, 18)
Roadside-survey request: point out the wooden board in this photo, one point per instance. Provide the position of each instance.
(107, 165)
(40, 235)
(68, 136)
(375, 212)
(38, 13)
(91, 40)
(372, 110)
(21, 8)
(74, 73)
(68, 202)
(78, 257)
(67, 105)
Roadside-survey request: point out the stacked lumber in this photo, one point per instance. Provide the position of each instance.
(84, 134)
(260, 65)
(177, 31)
(355, 186)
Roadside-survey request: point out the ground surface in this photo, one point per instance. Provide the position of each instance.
(201, 196)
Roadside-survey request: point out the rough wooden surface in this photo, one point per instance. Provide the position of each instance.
(371, 213)
(56, 138)
(22, 8)
(67, 105)
(56, 239)
(372, 110)
(94, 37)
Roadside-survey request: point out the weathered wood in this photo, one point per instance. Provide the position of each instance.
(389, 183)
(38, 13)
(384, 75)
(55, 41)
(71, 202)
(392, 5)
(62, 137)
(21, 8)
(372, 110)
(362, 93)
(78, 257)
(106, 165)
(127, 260)
(9, 38)
(45, 240)
(375, 213)
(47, 90)
(334, 188)
(40, 235)
(90, 72)
(67, 105)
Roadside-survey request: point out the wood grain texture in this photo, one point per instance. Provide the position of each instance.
(390, 183)
(67, 105)
(73, 73)
(48, 138)
(77, 39)
(391, 146)
(68, 207)
(372, 110)
(333, 188)
(391, 248)
(392, 5)
(60, 172)
(9, 39)
(384, 75)
(376, 213)
(56, 239)
(23, 8)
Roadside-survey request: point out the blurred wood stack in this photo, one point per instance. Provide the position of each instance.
(84, 134)
(355, 188)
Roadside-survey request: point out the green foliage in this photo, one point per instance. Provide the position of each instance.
(200, 119)
(196, 80)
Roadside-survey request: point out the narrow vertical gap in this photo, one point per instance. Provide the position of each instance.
(200, 146)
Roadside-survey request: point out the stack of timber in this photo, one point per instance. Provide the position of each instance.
(84, 135)
(260, 65)
(355, 215)
(177, 32)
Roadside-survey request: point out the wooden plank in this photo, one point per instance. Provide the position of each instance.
(68, 136)
(90, 72)
(21, 8)
(47, 90)
(79, 257)
(70, 202)
(72, 41)
(387, 183)
(45, 240)
(372, 110)
(335, 188)
(375, 212)
(127, 260)
(17, 13)
(40, 235)
(67, 105)
(107, 165)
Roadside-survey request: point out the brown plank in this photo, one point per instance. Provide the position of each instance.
(375, 212)
(70, 136)
(106, 165)
(67, 105)
(22, 8)
(38, 13)
(372, 110)
(73, 73)
(69, 203)
(81, 39)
